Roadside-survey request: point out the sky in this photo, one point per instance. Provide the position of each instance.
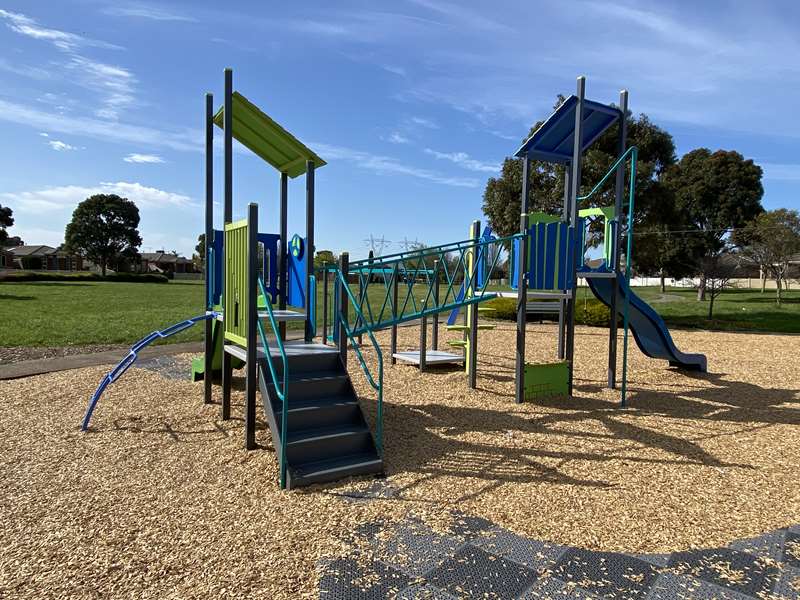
(414, 104)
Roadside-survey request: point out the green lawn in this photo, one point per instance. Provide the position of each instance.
(77, 313)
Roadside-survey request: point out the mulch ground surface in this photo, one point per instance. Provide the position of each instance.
(160, 500)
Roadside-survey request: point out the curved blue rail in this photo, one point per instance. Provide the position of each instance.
(131, 357)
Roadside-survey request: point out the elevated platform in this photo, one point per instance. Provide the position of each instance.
(293, 349)
(432, 357)
(280, 315)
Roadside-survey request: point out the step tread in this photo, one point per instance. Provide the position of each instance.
(298, 376)
(457, 327)
(339, 464)
(316, 403)
(304, 436)
(457, 343)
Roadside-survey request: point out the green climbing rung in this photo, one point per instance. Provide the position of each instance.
(486, 309)
(458, 343)
(457, 327)
(486, 327)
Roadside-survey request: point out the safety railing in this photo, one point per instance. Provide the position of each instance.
(283, 392)
(406, 281)
(631, 153)
(352, 336)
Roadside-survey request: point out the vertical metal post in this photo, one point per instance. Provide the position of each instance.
(283, 277)
(252, 331)
(309, 245)
(423, 342)
(325, 304)
(561, 329)
(435, 324)
(227, 122)
(522, 282)
(472, 309)
(341, 335)
(208, 337)
(620, 192)
(562, 308)
(393, 343)
(575, 185)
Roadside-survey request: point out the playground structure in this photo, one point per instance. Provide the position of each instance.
(257, 282)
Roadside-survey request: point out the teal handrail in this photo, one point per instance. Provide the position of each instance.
(378, 387)
(633, 153)
(281, 393)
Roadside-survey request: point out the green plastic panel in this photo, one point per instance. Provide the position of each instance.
(267, 139)
(607, 212)
(235, 310)
(546, 379)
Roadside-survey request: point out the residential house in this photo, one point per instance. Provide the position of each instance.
(44, 258)
(166, 263)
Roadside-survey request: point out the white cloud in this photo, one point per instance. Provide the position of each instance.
(43, 134)
(143, 158)
(62, 40)
(187, 140)
(67, 197)
(60, 146)
(397, 138)
(422, 122)
(387, 165)
(463, 159)
(146, 11)
(114, 83)
(781, 171)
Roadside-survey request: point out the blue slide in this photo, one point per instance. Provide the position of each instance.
(649, 330)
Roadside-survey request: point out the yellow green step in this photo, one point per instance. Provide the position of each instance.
(458, 343)
(486, 309)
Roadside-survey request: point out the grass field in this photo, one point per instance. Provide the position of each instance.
(66, 313)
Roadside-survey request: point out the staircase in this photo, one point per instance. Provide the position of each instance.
(327, 437)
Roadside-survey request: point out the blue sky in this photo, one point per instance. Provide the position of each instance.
(413, 103)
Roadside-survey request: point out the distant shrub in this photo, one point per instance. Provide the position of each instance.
(589, 312)
(20, 276)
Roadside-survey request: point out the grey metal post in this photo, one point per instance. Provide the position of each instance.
(575, 185)
(324, 304)
(522, 282)
(341, 335)
(393, 344)
(227, 122)
(435, 324)
(309, 244)
(283, 278)
(252, 331)
(472, 309)
(423, 342)
(620, 192)
(208, 337)
(562, 303)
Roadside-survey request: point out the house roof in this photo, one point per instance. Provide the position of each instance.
(32, 250)
(164, 257)
(268, 140)
(554, 140)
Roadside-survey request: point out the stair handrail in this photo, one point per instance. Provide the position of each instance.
(378, 387)
(281, 393)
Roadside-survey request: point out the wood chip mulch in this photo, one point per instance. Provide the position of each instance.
(161, 501)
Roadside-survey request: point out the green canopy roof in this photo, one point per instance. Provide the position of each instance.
(267, 139)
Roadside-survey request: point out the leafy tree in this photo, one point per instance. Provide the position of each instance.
(12, 241)
(501, 198)
(104, 230)
(770, 240)
(324, 257)
(200, 248)
(715, 192)
(6, 220)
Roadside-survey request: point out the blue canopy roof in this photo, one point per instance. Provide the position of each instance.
(554, 140)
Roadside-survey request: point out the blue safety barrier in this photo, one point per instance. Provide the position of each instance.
(131, 357)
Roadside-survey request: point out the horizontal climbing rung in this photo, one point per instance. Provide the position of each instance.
(486, 309)
(457, 343)
(458, 328)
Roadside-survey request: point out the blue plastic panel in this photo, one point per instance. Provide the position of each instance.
(296, 262)
(554, 140)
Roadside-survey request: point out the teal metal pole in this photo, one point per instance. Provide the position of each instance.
(628, 251)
